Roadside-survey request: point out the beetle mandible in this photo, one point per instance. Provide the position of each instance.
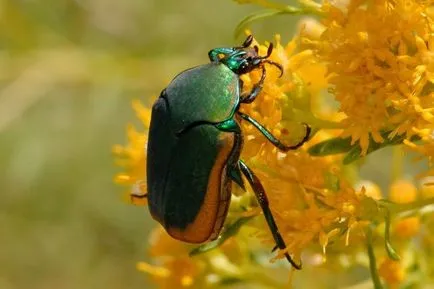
(195, 141)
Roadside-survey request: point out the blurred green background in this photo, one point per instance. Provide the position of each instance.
(69, 70)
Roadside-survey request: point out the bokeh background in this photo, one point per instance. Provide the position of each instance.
(68, 72)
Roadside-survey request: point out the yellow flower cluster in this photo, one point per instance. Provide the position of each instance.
(379, 57)
(132, 157)
(376, 58)
(306, 196)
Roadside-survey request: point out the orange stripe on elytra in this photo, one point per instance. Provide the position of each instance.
(206, 223)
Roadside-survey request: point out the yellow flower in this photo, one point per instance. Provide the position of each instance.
(279, 107)
(407, 227)
(392, 272)
(426, 148)
(380, 65)
(403, 191)
(309, 197)
(176, 269)
(132, 157)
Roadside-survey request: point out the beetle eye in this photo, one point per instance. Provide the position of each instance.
(220, 56)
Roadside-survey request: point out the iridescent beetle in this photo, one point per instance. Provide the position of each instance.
(194, 146)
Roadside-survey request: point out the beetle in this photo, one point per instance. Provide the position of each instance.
(195, 142)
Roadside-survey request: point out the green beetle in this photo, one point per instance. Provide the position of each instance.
(194, 146)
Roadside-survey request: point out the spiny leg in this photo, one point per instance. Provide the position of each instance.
(263, 202)
(277, 143)
(249, 97)
(138, 191)
(137, 196)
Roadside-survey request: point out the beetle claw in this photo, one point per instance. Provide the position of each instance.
(235, 174)
(290, 260)
(295, 265)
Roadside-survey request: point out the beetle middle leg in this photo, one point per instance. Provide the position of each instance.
(138, 191)
(137, 197)
(263, 202)
(277, 143)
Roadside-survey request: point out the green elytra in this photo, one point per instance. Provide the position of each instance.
(194, 146)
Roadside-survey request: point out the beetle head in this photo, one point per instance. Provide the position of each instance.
(244, 59)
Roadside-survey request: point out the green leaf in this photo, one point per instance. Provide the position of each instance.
(389, 249)
(330, 147)
(254, 17)
(355, 153)
(372, 260)
(343, 145)
(277, 10)
(230, 231)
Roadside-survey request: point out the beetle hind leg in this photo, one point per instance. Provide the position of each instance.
(137, 196)
(235, 175)
(263, 202)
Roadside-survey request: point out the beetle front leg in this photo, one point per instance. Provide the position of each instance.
(277, 143)
(263, 202)
(251, 96)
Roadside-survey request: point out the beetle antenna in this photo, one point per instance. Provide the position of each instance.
(246, 42)
(278, 65)
(269, 50)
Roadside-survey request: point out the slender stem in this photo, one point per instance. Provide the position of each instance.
(389, 249)
(372, 260)
(408, 207)
(304, 10)
(397, 163)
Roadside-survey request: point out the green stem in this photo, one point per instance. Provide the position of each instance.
(408, 207)
(389, 249)
(274, 12)
(372, 260)
(397, 163)
(300, 11)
